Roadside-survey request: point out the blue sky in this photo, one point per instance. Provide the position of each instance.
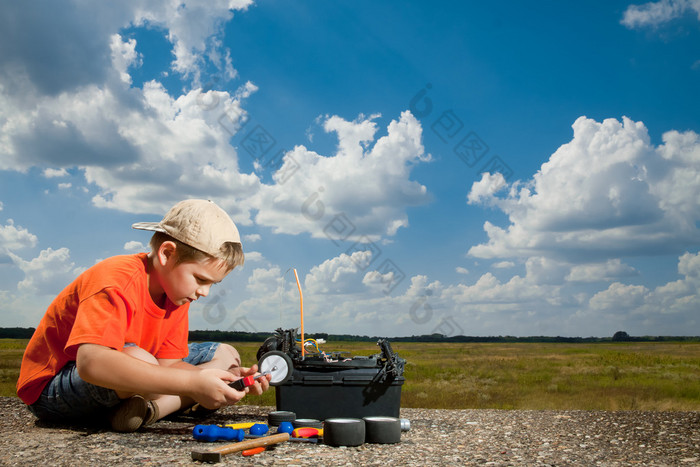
(461, 167)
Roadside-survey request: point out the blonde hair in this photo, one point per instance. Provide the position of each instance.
(230, 254)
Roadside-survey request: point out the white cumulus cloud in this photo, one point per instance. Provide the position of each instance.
(55, 173)
(124, 55)
(337, 275)
(135, 247)
(193, 27)
(133, 144)
(48, 273)
(620, 297)
(656, 13)
(607, 192)
(142, 149)
(484, 189)
(252, 238)
(254, 257)
(361, 192)
(169, 137)
(265, 282)
(594, 272)
(15, 238)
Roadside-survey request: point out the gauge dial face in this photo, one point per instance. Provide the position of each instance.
(278, 364)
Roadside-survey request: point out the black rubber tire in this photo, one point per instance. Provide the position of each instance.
(279, 416)
(307, 422)
(344, 431)
(382, 430)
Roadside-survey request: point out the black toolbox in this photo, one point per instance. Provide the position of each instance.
(324, 386)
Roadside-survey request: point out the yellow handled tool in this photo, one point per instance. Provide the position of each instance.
(240, 426)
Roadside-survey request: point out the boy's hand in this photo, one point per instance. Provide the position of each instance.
(210, 388)
(261, 385)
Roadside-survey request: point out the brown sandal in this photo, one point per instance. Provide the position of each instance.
(128, 416)
(133, 413)
(152, 414)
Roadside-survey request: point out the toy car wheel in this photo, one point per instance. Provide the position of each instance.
(307, 422)
(279, 416)
(382, 430)
(278, 364)
(343, 432)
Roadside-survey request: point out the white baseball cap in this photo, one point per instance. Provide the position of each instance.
(198, 223)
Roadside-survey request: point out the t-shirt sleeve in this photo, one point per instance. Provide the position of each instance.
(102, 318)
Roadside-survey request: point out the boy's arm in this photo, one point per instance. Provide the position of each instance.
(258, 388)
(109, 368)
(179, 363)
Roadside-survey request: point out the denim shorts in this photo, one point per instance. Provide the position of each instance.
(68, 396)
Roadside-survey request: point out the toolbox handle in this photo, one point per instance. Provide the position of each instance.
(318, 380)
(357, 380)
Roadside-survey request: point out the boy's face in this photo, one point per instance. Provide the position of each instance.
(186, 282)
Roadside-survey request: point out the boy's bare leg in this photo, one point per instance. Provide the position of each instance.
(225, 358)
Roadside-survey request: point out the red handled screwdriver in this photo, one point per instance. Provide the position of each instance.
(243, 383)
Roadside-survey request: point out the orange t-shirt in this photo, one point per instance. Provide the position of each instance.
(110, 305)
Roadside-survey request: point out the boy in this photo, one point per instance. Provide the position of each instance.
(114, 342)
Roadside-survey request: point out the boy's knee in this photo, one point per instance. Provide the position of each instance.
(140, 354)
(229, 355)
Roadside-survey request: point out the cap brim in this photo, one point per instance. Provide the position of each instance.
(153, 226)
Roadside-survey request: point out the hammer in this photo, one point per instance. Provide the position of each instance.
(214, 455)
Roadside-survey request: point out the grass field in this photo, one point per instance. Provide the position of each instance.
(615, 376)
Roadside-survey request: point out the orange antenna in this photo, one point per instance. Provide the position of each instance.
(301, 306)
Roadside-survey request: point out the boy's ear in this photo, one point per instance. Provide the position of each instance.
(167, 252)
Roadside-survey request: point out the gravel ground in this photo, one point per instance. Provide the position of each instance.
(436, 437)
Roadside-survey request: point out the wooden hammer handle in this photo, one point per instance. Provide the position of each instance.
(252, 443)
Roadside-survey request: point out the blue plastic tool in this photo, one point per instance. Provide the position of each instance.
(285, 427)
(258, 429)
(216, 433)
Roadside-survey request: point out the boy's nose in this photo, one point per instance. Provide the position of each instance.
(203, 291)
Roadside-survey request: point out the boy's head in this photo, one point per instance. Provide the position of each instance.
(201, 230)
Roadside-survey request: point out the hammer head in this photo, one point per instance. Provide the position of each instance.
(206, 456)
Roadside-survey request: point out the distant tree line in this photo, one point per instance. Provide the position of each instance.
(16, 333)
(239, 336)
(228, 336)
